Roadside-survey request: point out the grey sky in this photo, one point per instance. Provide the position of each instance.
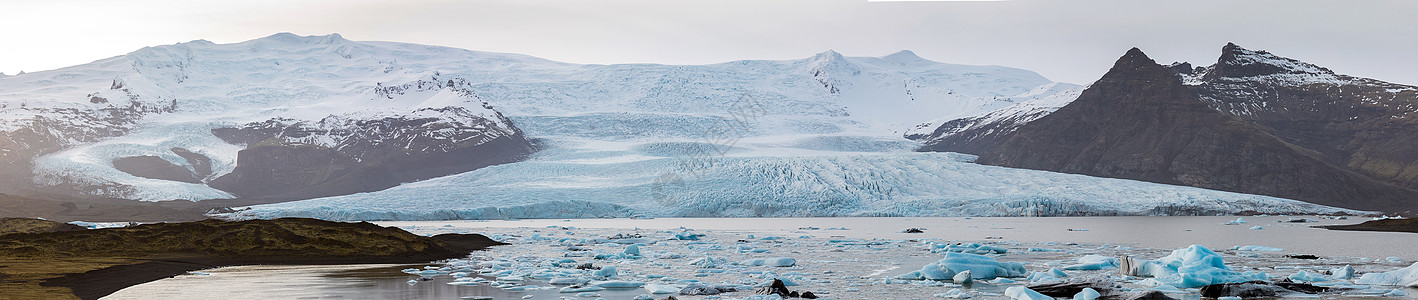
(1070, 41)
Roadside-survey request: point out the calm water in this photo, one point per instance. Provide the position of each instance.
(1150, 236)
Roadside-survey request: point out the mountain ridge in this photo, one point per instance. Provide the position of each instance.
(1273, 126)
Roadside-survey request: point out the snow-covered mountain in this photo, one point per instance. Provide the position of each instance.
(198, 120)
(1253, 122)
(819, 136)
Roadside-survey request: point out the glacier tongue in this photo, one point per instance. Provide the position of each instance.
(603, 179)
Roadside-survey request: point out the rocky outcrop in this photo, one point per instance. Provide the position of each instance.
(1140, 121)
(154, 167)
(292, 159)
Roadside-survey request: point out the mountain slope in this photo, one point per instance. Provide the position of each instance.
(1361, 124)
(200, 120)
(1141, 122)
(145, 125)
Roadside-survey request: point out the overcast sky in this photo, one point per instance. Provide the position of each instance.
(1069, 41)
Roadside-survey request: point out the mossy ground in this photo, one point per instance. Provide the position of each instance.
(87, 264)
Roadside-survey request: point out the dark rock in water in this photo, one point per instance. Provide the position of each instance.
(1146, 295)
(1389, 225)
(1302, 256)
(586, 266)
(915, 230)
(776, 288)
(700, 289)
(1070, 288)
(1301, 287)
(780, 289)
(1243, 289)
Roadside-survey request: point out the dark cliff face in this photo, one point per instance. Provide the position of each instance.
(1361, 124)
(284, 161)
(1141, 122)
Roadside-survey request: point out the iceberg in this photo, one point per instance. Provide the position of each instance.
(1257, 248)
(1094, 262)
(980, 267)
(1087, 294)
(1024, 293)
(617, 284)
(771, 262)
(1191, 267)
(971, 248)
(1407, 276)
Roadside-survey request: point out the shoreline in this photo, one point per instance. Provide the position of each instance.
(93, 263)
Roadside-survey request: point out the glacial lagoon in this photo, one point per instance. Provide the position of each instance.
(837, 258)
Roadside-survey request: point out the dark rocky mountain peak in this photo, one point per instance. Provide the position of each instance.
(1238, 62)
(1145, 121)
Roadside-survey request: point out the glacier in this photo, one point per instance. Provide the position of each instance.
(819, 136)
(574, 181)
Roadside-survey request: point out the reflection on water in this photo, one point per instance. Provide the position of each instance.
(327, 282)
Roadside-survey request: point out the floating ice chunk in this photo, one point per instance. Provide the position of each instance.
(771, 262)
(581, 289)
(971, 248)
(521, 288)
(1306, 277)
(1094, 262)
(980, 267)
(1237, 221)
(662, 288)
(617, 284)
(1256, 248)
(1396, 293)
(643, 297)
(1053, 274)
(1229, 298)
(709, 262)
(764, 297)
(567, 281)
(962, 278)
(632, 250)
(588, 295)
(1257, 228)
(606, 272)
(1394, 259)
(1190, 267)
(1024, 293)
(1087, 294)
(955, 294)
(1407, 276)
(1345, 272)
(688, 236)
